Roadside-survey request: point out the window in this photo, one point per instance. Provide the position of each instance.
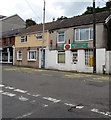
(39, 36)
(88, 54)
(61, 38)
(74, 57)
(19, 55)
(31, 55)
(61, 57)
(84, 34)
(23, 39)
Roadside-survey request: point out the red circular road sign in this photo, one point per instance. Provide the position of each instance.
(67, 47)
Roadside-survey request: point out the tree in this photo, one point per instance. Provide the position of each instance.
(62, 18)
(30, 22)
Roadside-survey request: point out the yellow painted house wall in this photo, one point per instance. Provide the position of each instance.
(32, 41)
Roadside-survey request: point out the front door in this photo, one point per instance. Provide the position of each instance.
(43, 59)
(74, 60)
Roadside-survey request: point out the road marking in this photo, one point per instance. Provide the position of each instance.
(25, 115)
(1, 91)
(8, 87)
(51, 99)
(8, 94)
(35, 95)
(100, 112)
(2, 85)
(21, 91)
(23, 98)
(71, 105)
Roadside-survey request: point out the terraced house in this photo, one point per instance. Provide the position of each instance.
(71, 45)
(28, 46)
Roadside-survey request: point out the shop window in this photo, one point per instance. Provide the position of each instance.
(74, 57)
(19, 55)
(61, 57)
(61, 38)
(31, 55)
(23, 39)
(88, 55)
(84, 34)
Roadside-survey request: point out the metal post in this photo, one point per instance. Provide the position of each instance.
(94, 37)
(43, 34)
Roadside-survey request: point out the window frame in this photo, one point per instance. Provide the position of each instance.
(59, 35)
(35, 55)
(18, 55)
(79, 30)
(24, 39)
(39, 34)
(61, 52)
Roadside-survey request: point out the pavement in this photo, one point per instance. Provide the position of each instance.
(37, 93)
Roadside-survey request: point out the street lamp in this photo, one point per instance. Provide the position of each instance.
(94, 38)
(42, 53)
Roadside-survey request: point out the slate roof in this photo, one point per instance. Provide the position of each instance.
(11, 33)
(1, 16)
(70, 22)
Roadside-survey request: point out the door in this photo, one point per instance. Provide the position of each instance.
(43, 59)
(74, 60)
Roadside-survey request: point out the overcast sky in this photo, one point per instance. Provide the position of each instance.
(54, 8)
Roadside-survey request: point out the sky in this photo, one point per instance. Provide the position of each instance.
(33, 9)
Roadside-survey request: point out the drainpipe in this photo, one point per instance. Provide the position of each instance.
(94, 37)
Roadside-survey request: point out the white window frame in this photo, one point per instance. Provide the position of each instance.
(58, 37)
(28, 55)
(79, 34)
(58, 58)
(18, 55)
(39, 34)
(24, 38)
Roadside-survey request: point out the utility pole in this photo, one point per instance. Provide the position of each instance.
(42, 60)
(94, 37)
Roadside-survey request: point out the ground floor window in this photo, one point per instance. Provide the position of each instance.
(31, 55)
(74, 57)
(88, 55)
(19, 55)
(61, 57)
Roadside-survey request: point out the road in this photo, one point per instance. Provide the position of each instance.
(37, 93)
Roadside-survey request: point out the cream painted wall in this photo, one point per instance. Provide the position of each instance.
(31, 41)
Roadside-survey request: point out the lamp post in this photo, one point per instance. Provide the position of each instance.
(42, 58)
(94, 38)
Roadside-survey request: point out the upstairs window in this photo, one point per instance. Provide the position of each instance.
(39, 36)
(61, 38)
(84, 34)
(23, 39)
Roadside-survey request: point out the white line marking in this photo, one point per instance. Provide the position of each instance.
(23, 98)
(2, 85)
(25, 115)
(21, 91)
(44, 105)
(35, 95)
(51, 99)
(79, 107)
(100, 112)
(9, 94)
(8, 87)
(71, 105)
(1, 91)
